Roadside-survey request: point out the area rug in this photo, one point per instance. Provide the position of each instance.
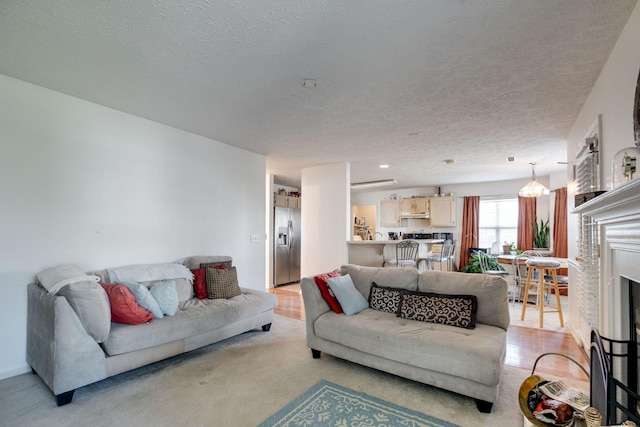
(239, 382)
(329, 404)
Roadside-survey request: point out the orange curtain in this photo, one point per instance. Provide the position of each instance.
(526, 217)
(470, 227)
(560, 240)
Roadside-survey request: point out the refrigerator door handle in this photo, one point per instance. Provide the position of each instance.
(290, 234)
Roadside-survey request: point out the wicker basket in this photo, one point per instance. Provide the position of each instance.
(533, 382)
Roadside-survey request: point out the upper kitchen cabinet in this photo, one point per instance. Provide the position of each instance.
(390, 213)
(416, 207)
(285, 201)
(442, 211)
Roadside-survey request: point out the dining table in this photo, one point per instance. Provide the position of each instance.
(508, 259)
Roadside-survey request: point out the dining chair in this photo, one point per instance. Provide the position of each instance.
(519, 276)
(440, 253)
(486, 268)
(406, 254)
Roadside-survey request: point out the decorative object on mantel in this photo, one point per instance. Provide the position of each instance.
(585, 197)
(623, 166)
(533, 188)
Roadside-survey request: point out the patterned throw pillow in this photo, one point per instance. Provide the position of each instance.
(327, 294)
(222, 283)
(384, 299)
(453, 310)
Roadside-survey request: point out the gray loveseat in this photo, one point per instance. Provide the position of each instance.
(465, 361)
(63, 350)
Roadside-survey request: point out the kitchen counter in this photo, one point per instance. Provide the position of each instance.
(372, 252)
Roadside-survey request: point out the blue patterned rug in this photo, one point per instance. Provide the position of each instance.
(328, 404)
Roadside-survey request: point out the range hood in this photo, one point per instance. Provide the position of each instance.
(418, 215)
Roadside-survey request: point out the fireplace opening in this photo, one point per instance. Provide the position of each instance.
(614, 368)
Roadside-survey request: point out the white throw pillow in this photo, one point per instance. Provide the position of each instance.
(167, 297)
(145, 299)
(350, 299)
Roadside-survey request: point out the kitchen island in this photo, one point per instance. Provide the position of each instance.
(372, 253)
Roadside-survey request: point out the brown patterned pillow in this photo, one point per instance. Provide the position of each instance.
(227, 264)
(222, 283)
(384, 299)
(453, 310)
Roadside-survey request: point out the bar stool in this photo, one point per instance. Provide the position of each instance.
(537, 268)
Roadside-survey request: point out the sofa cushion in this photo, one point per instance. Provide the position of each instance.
(223, 264)
(222, 283)
(326, 292)
(475, 354)
(384, 299)
(363, 277)
(350, 299)
(194, 317)
(166, 296)
(453, 310)
(145, 299)
(124, 308)
(194, 262)
(200, 282)
(91, 304)
(491, 291)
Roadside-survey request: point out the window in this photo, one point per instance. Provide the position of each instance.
(498, 222)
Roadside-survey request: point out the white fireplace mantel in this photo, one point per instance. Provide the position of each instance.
(620, 204)
(617, 213)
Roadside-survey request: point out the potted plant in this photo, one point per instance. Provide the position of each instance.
(506, 248)
(473, 265)
(540, 234)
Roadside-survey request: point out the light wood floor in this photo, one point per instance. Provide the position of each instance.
(524, 345)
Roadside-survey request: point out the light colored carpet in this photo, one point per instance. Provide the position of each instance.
(239, 382)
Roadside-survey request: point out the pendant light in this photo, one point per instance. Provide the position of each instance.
(533, 188)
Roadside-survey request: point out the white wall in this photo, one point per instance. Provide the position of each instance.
(85, 184)
(613, 97)
(326, 218)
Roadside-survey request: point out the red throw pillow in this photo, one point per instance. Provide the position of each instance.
(200, 282)
(124, 308)
(327, 294)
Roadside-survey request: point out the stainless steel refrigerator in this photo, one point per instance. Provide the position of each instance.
(286, 253)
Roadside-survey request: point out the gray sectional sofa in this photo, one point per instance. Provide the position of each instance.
(465, 361)
(70, 347)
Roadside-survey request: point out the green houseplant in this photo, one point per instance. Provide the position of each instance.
(540, 234)
(473, 265)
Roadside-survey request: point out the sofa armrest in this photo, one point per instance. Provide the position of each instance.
(314, 305)
(59, 349)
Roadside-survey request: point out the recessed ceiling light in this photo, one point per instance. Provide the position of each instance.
(511, 159)
(310, 83)
(383, 166)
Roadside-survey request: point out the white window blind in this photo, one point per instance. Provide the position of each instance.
(588, 180)
(498, 222)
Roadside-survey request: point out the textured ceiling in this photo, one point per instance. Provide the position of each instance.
(408, 83)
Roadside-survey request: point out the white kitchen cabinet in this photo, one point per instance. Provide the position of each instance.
(414, 207)
(442, 211)
(390, 213)
(284, 201)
